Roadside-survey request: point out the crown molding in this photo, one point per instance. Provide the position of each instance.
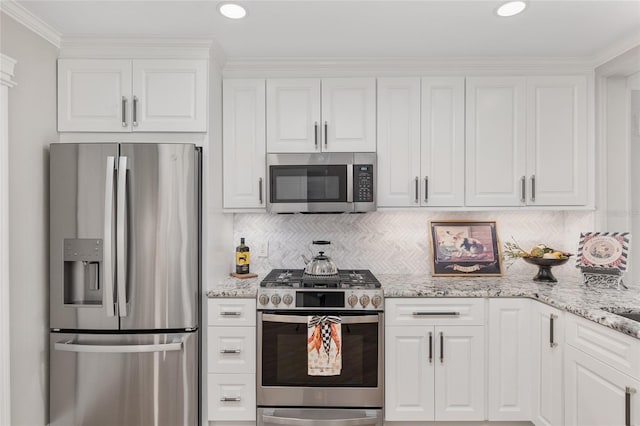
(616, 49)
(7, 64)
(31, 21)
(407, 66)
(622, 65)
(121, 47)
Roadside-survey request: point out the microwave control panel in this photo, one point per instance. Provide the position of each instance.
(363, 183)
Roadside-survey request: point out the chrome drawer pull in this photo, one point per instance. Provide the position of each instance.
(230, 314)
(230, 351)
(230, 399)
(628, 391)
(436, 314)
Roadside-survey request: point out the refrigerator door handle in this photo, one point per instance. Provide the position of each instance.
(121, 237)
(108, 241)
(70, 346)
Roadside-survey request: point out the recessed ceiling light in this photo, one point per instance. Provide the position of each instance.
(232, 10)
(511, 8)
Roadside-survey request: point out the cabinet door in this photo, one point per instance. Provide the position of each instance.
(495, 141)
(459, 364)
(293, 115)
(509, 351)
(398, 142)
(349, 114)
(548, 345)
(231, 349)
(557, 142)
(409, 373)
(231, 397)
(597, 394)
(442, 142)
(243, 144)
(170, 95)
(94, 95)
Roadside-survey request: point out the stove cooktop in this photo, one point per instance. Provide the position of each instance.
(296, 278)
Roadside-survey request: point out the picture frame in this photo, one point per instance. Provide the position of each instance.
(465, 248)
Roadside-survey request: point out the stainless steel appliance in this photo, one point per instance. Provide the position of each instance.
(124, 284)
(286, 393)
(321, 182)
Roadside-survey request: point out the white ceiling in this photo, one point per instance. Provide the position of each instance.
(364, 28)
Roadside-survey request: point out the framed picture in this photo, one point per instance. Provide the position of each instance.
(604, 250)
(465, 248)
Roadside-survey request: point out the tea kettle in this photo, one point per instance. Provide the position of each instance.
(320, 265)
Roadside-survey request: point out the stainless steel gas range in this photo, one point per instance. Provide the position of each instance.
(320, 348)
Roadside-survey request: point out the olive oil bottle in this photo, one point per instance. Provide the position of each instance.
(243, 257)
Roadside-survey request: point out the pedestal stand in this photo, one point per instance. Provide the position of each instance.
(602, 277)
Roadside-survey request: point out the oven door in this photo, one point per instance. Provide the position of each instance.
(282, 376)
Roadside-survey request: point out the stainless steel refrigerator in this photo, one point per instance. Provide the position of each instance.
(125, 284)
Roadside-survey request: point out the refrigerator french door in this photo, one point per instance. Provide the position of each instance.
(125, 283)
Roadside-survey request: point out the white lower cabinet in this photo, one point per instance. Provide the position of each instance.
(434, 360)
(231, 360)
(509, 349)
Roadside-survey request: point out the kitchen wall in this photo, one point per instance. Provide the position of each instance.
(32, 118)
(396, 241)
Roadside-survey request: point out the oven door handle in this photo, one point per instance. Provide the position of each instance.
(293, 421)
(302, 319)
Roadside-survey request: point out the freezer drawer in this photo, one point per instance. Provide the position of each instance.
(124, 379)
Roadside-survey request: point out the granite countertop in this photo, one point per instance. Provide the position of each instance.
(569, 294)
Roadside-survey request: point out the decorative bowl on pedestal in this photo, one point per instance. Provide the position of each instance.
(544, 267)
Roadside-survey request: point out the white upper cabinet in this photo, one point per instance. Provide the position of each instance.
(243, 144)
(557, 143)
(527, 141)
(442, 142)
(328, 115)
(116, 95)
(398, 142)
(420, 142)
(495, 141)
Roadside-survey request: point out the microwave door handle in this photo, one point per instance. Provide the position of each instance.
(108, 237)
(294, 421)
(302, 319)
(349, 183)
(121, 236)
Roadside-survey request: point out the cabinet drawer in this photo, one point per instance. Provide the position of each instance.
(609, 346)
(232, 312)
(449, 311)
(231, 349)
(231, 397)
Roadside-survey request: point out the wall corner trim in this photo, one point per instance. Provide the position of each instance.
(18, 12)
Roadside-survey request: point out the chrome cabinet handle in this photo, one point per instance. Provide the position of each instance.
(523, 189)
(230, 314)
(441, 347)
(108, 237)
(260, 190)
(135, 111)
(552, 343)
(435, 314)
(326, 132)
(124, 111)
(121, 237)
(315, 134)
(230, 399)
(417, 189)
(533, 187)
(230, 351)
(430, 347)
(628, 391)
(426, 188)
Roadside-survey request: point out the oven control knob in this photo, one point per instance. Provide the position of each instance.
(276, 299)
(263, 299)
(364, 300)
(376, 301)
(287, 299)
(352, 300)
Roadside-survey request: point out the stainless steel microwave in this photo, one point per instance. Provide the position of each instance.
(321, 182)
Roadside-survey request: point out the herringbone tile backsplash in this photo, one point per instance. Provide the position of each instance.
(394, 242)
